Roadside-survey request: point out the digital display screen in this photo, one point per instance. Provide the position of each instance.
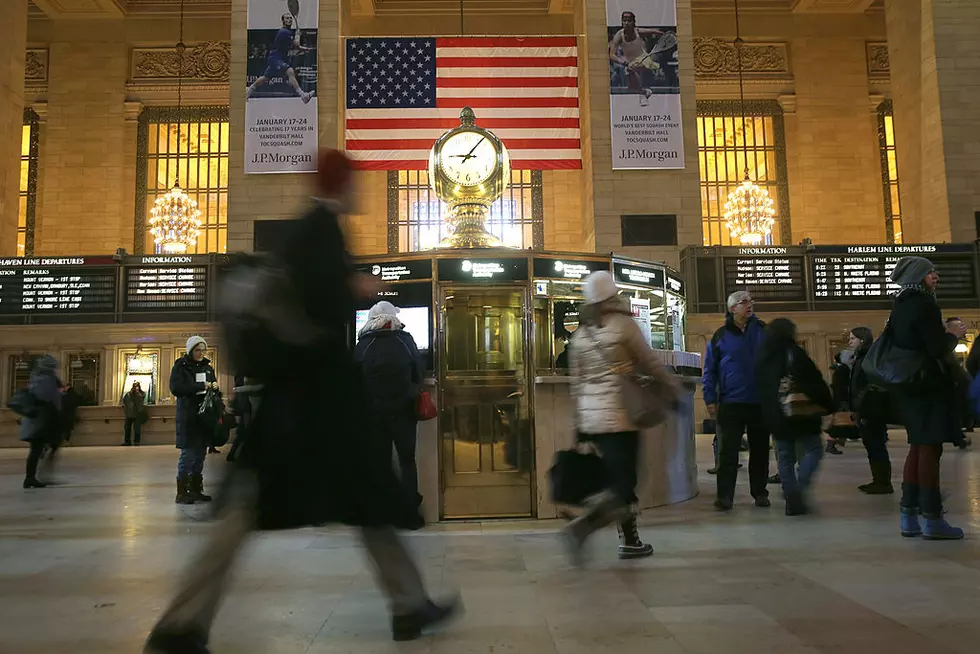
(483, 270)
(566, 268)
(415, 319)
(397, 271)
(860, 273)
(769, 274)
(165, 284)
(628, 272)
(57, 285)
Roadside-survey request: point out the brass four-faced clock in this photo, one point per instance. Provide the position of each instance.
(468, 169)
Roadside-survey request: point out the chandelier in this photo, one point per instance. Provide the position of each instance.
(175, 218)
(174, 221)
(749, 211)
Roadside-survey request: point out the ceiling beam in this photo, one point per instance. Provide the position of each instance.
(82, 9)
(832, 6)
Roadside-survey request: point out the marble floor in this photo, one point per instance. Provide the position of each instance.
(87, 566)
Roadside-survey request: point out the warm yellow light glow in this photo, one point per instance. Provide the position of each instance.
(174, 221)
(962, 348)
(749, 213)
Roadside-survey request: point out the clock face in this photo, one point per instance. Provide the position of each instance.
(468, 158)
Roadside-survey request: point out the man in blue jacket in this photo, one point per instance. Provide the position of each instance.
(731, 398)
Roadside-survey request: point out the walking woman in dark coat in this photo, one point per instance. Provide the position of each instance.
(780, 357)
(870, 408)
(311, 456)
(840, 376)
(44, 429)
(392, 371)
(190, 379)
(929, 410)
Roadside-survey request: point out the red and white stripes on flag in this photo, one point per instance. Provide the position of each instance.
(524, 89)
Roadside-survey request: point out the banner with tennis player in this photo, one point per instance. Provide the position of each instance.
(280, 92)
(644, 90)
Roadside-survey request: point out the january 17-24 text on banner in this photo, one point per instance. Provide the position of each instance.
(644, 87)
(281, 86)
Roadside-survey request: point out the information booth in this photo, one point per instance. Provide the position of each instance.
(493, 326)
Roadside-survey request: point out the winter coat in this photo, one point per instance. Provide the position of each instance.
(776, 361)
(930, 412)
(611, 339)
(47, 426)
(392, 371)
(840, 382)
(729, 363)
(316, 456)
(188, 381)
(134, 404)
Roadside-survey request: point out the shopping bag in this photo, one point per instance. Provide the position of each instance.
(575, 475)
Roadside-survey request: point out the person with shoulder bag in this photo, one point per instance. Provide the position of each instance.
(869, 405)
(41, 420)
(191, 378)
(794, 399)
(389, 362)
(910, 358)
(608, 352)
(134, 411)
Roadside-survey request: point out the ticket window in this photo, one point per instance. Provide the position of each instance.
(650, 311)
(556, 317)
(20, 371)
(83, 376)
(142, 367)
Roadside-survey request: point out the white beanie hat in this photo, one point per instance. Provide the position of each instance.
(383, 308)
(599, 287)
(193, 342)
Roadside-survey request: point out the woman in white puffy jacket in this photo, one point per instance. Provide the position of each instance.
(608, 342)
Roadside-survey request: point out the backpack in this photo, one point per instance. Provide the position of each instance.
(24, 403)
(260, 315)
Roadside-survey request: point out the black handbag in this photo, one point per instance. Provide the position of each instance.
(891, 366)
(575, 475)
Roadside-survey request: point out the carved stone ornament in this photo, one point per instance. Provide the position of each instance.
(878, 63)
(717, 58)
(36, 66)
(209, 60)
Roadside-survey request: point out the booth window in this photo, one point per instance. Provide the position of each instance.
(889, 172)
(142, 367)
(415, 214)
(191, 146)
(722, 149)
(28, 184)
(83, 376)
(20, 371)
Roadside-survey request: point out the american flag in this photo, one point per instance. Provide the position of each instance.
(403, 93)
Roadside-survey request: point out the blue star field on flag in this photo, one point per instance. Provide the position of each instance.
(391, 73)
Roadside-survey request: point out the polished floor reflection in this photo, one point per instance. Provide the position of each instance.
(87, 566)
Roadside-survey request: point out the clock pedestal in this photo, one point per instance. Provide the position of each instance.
(468, 219)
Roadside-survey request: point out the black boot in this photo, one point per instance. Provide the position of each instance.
(411, 625)
(795, 504)
(197, 489)
(881, 479)
(33, 482)
(176, 642)
(184, 495)
(630, 545)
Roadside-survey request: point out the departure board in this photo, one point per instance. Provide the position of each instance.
(770, 274)
(166, 283)
(69, 285)
(859, 274)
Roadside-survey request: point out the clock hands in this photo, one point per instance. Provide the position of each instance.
(469, 155)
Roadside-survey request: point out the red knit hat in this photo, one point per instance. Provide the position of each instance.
(334, 172)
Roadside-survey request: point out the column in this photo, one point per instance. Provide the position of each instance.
(609, 194)
(13, 47)
(935, 78)
(271, 197)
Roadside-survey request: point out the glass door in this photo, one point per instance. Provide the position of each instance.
(485, 414)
